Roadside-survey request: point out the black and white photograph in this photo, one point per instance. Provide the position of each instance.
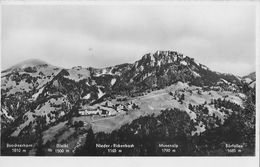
(138, 79)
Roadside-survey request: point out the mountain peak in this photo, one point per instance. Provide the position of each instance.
(252, 76)
(165, 53)
(28, 63)
(31, 63)
(161, 57)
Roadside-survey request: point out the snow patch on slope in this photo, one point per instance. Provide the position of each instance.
(204, 67)
(225, 81)
(78, 74)
(87, 96)
(235, 99)
(196, 74)
(113, 81)
(252, 85)
(100, 93)
(183, 62)
(7, 115)
(248, 80)
(199, 129)
(35, 96)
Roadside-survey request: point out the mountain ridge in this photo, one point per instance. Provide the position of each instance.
(36, 99)
(158, 55)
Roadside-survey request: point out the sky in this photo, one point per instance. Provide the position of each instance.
(219, 35)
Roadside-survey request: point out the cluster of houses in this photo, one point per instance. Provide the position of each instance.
(107, 108)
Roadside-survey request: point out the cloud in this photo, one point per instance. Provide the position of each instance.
(63, 35)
